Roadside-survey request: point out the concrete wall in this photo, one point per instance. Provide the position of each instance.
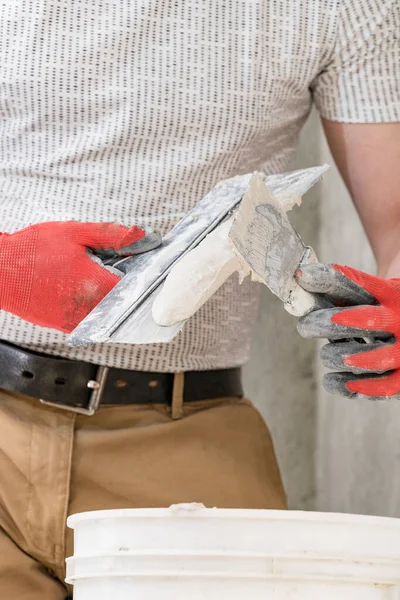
(335, 454)
(358, 442)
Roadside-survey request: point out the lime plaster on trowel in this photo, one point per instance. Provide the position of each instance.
(267, 241)
(125, 314)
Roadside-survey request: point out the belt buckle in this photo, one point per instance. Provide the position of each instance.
(97, 385)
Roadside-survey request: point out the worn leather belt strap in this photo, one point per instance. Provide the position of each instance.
(71, 384)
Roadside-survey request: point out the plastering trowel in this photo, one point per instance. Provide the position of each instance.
(265, 238)
(125, 314)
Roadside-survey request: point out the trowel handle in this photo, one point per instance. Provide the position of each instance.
(302, 302)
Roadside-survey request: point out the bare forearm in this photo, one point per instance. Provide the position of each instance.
(368, 157)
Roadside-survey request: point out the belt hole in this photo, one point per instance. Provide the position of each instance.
(153, 383)
(60, 381)
(27, 374)
(120, 383)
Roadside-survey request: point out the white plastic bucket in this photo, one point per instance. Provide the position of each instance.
(188, 552)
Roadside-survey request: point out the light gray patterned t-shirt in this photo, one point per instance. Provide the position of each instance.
(130, 111)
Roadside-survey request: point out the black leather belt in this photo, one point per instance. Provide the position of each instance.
(82, 387)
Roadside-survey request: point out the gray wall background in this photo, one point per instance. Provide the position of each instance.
(335, 454)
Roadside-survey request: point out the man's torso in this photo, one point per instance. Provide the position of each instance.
(131, 112)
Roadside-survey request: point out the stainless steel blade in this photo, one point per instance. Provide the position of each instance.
(147, 271)
(266, 239)
(285, 251)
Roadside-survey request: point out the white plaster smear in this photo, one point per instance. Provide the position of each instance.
(199, 274)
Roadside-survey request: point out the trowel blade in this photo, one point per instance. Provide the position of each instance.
(284, 253)
(146, 272)
(265, 238)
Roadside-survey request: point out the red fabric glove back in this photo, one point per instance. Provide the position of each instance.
(46, 275)
(384, 317)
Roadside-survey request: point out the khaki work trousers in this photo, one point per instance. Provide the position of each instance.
(55, 463)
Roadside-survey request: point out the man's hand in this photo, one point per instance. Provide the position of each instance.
(47, 276)
(368, 157)
(363, 327)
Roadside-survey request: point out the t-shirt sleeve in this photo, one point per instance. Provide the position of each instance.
(360, 83)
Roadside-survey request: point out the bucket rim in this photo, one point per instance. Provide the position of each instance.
(271, 515)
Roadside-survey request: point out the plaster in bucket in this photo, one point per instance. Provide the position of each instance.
(189, 551)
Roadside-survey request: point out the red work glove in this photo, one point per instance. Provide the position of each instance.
(364, 334)
(47, 276)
